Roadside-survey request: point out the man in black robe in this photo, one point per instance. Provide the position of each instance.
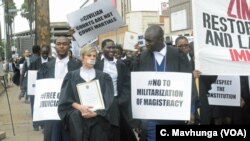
(121, 81)
(174, 62)
(36, 66)
(53, 129)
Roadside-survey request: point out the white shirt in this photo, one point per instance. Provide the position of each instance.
(61, 67)
(110, 68)
(87, 74)
(189, 58)
(10, 67)
(161, 54)
(123, 58)
(44, 60)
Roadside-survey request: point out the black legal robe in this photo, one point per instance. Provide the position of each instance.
(175, 62)
(122, 101)
(47, 70)
(94, 129)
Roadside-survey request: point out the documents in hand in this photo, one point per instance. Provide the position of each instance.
(90, 94)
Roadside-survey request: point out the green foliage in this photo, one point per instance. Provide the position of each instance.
(28, 10)
(9, 4)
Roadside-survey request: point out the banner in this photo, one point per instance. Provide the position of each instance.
(32, 75)
(161, 95)
(225, 91)
(90, 21)
(46, 99)
(221, 30)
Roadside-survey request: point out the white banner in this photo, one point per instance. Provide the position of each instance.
(90, 21)
(225, 91)
(32, 75)
(221, 30)
(46, 99)
(161, 95)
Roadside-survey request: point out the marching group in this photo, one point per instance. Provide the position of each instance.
(112, 67)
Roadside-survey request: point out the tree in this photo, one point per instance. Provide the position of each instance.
(28, 12)
(9, 18)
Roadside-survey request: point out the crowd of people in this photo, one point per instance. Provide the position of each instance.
(112, 67)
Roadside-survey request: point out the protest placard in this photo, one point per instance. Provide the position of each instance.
(222, 43)
(161, 95)
(90, 21)
(46, 100)
(225, 91)
(32, 75)
(141, 40)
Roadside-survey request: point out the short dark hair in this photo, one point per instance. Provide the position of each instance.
(104, 42)
(119, 47)
(46, 46)
(179, 38)
(36, 49)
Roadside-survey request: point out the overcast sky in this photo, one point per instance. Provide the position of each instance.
(60, 8)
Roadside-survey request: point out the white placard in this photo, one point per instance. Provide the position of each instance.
(161, 95)
(90, 21)
(225, 91)
(221, 31)
(179, 20)
(90, 95)
(130, 40)
(32, 76)
(46, 99)
(141, 40)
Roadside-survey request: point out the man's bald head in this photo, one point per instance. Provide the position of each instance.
(154, 37)
(155, 30)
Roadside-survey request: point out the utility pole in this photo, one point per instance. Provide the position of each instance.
(42, 31)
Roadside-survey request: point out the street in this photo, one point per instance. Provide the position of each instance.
(21, 117)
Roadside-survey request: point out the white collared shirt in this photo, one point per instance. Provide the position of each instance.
(161, 54)
(44, 60)
(123, 58)
(110, 68)
(189, 57)
(87, 74)
(61, 67)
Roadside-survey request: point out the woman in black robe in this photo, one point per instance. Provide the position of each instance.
(83, 123)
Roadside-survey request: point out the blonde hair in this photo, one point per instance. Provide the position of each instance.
(86, 49)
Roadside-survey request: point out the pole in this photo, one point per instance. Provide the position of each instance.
(5, 88)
